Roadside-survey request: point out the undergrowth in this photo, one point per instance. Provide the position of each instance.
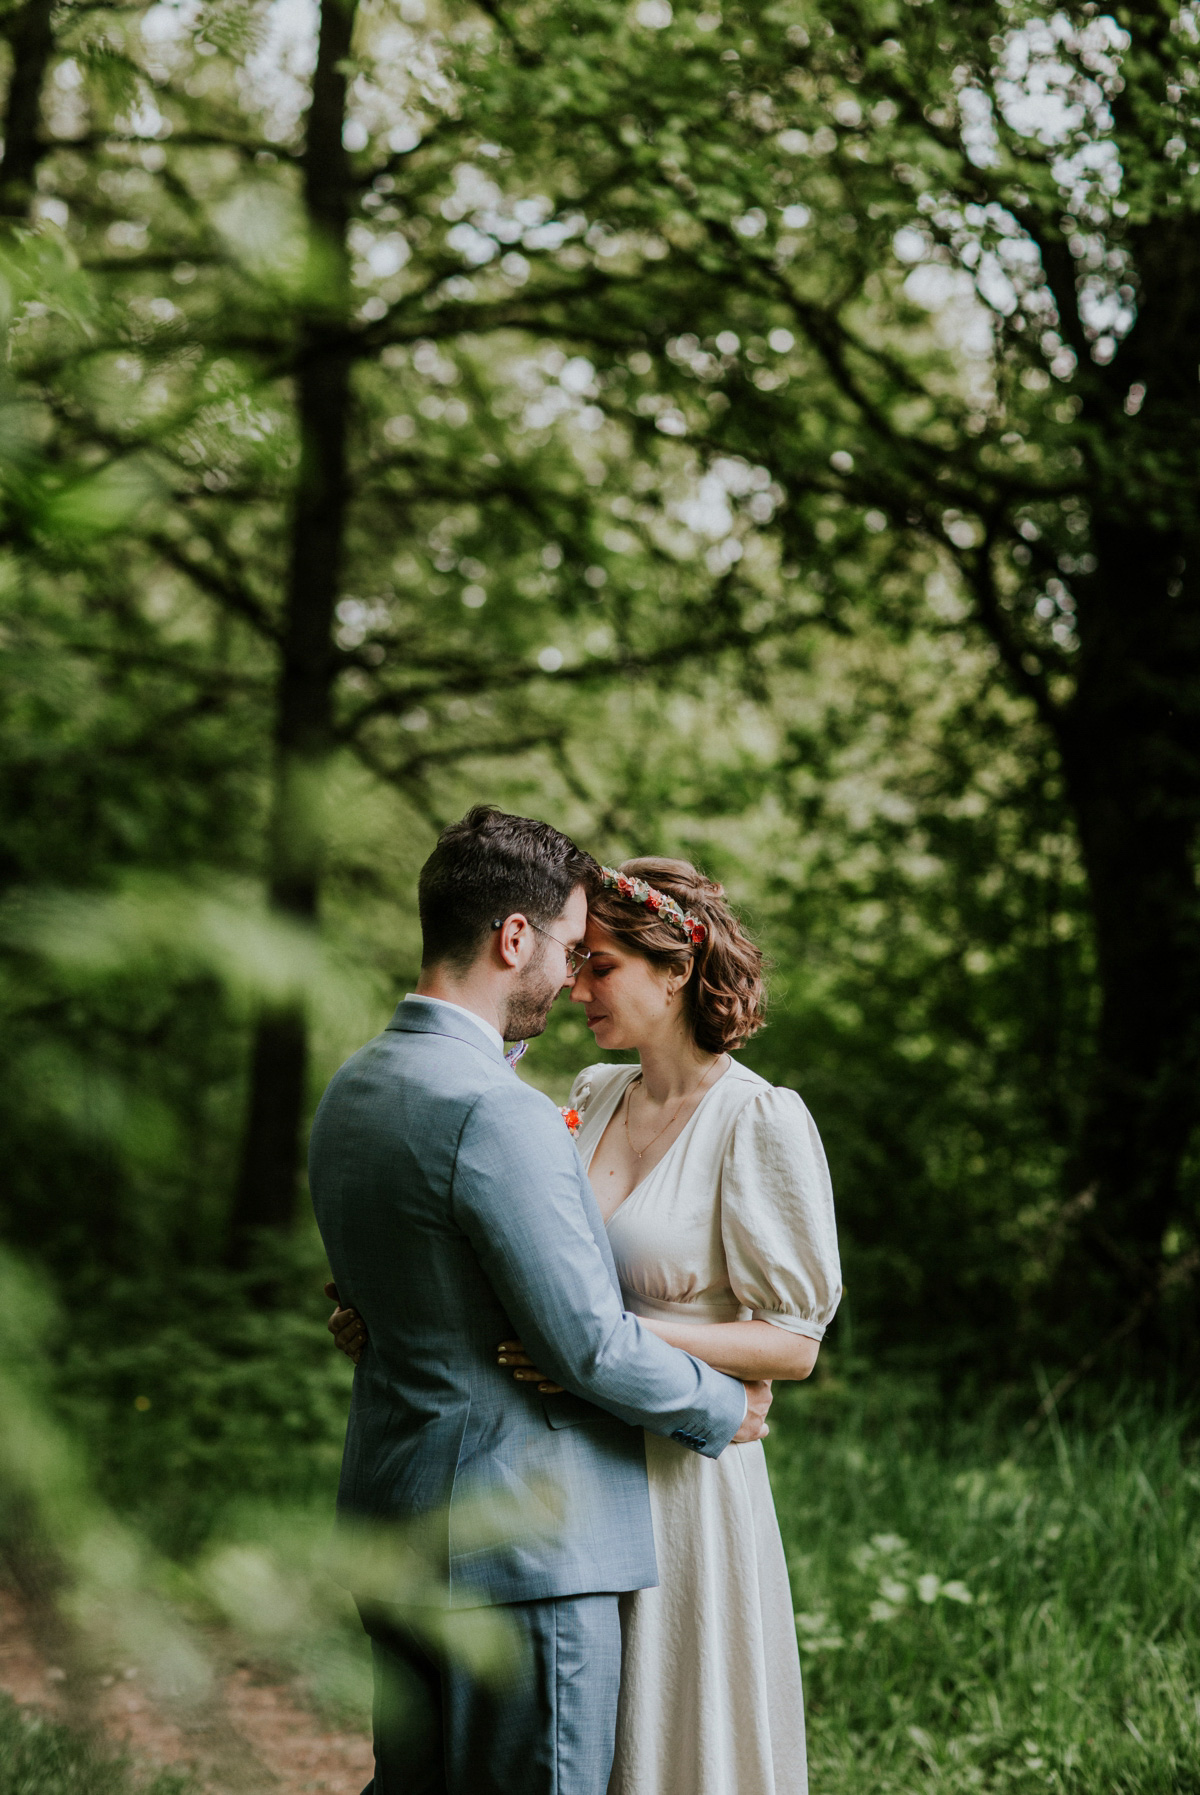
(982, 1610)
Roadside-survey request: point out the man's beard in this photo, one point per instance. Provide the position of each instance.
(529, 1005)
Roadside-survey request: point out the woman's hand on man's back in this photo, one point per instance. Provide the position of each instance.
(346, 1326)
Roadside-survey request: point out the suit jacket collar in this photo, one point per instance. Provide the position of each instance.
(416, 1017)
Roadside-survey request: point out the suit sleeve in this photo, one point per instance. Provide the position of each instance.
(516, 1195)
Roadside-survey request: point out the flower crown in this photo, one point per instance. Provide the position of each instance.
(638, 892)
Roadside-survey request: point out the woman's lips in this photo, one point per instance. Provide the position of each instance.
(593, 1020)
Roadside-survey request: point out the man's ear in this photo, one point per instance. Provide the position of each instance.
(510, 938)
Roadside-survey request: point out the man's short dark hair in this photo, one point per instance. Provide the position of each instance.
(490, 866)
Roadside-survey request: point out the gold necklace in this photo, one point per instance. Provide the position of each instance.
(666, 1125)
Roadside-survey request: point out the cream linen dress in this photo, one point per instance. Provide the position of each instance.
(734, 1222)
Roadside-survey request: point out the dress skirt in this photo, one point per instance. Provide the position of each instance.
(711, 1700)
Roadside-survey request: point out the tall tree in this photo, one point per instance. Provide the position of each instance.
(308, 666)
(28, 28)
(1075, 222)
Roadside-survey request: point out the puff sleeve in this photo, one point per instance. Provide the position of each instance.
(777, 1221)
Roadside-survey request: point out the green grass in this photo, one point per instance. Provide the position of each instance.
(978, 1611)
(39, 1757)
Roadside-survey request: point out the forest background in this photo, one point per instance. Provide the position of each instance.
(765, 434)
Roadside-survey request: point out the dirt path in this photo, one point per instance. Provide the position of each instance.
(255, 1736)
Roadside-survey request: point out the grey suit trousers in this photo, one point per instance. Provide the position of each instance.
(546, 1729)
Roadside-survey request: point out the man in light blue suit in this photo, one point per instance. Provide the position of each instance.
(456, 1213)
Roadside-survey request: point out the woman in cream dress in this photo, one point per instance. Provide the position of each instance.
(735, 1222)
(716, 1195)
(723, 1233)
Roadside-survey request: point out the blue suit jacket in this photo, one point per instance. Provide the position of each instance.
(456, 1213)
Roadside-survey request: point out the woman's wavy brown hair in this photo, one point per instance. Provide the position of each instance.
(725, 997)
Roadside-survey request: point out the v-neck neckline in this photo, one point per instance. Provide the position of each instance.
(660, 1163)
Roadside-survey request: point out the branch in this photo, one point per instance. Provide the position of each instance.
(981, 578)
(218, 678)
(463, 677)
(229, 592)
(528, 58)
(245, 146)
(416, 766)
(514, 313)
(445, 127)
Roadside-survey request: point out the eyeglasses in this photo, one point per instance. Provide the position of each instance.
(576, 957)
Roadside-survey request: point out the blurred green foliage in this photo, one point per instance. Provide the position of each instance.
(208, 1400)
(38, 1757)
(162, 1506)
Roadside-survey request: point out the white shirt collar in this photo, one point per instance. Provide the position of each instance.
(493, 1034)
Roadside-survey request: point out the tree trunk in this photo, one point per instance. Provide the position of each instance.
(1133, 771)
(32, 40)
(268, 1180)
(1131, 755)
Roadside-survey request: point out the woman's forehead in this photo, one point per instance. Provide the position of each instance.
(598, 937)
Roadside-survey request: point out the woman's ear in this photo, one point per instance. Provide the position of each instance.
(677, 980)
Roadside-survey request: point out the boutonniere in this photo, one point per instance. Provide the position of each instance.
(572, 1118)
